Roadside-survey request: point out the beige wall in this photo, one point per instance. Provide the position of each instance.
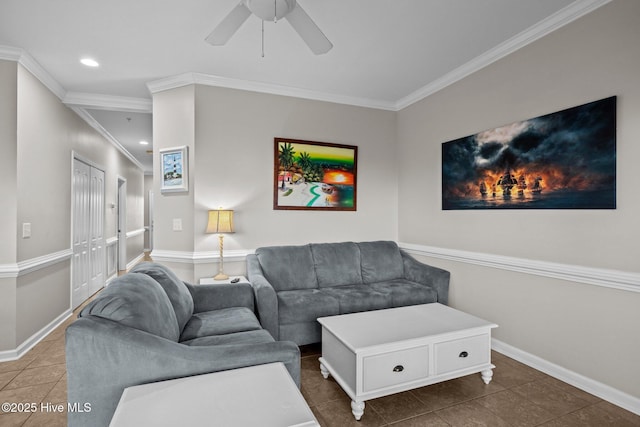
(8, 213)
(46, 133)
(232, 167)
(8, 152)
(587, 329)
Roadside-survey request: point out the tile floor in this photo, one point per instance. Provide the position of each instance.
(517, 396)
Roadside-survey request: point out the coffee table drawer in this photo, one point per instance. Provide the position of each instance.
(463, 353)
(396, 367)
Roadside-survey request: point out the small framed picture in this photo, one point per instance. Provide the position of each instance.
(174, 170)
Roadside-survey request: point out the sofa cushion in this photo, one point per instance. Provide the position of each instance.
(137, 301)
(380, 261)
(220, 322)
(288, 267)
(336, 263)
(247, 337)
(354, 298)
(402, 292)
(175, 288)
(305, 305)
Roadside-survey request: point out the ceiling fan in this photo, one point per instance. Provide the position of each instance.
(272, 10)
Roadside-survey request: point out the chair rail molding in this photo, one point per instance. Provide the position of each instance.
(33, 264)
(238, 255)
(616, 279)
(134, 233)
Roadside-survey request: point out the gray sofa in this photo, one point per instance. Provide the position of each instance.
(149, 326)
(295, 285)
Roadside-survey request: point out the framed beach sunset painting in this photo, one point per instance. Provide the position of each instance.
(562, 160)
(310, 175)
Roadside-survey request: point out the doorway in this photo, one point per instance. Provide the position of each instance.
(89, 260)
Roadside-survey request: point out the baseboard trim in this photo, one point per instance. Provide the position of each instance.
(134, 261)
(623, 280)
(603, 391)
(9, 355)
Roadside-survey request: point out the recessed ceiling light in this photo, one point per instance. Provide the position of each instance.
(144, 142)
(89, 62)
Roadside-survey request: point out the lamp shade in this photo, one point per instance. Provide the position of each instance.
(220, 221)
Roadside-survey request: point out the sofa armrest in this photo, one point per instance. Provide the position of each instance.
(222, 295)
(425, 274)
(265, 297)
(104, 357)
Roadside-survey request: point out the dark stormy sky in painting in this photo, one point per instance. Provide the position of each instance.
(571, 151)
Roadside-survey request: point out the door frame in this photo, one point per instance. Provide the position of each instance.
(122, 223)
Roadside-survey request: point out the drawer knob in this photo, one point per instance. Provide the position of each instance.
(398, 368)
(463, 354)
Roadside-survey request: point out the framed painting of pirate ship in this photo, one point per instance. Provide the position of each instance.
(311, 175)
(562, 160)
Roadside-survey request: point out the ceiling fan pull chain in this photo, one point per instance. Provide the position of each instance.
(275, 11)
(263, 39)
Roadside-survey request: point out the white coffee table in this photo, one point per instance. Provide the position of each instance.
(382, 352)
(263, 395)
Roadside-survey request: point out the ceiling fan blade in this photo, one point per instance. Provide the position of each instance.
(229, 25)
(308, 31)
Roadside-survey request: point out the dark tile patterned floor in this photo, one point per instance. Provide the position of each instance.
(517, 396)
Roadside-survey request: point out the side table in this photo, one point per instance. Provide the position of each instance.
(212, 281)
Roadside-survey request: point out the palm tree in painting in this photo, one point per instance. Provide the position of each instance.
(285, 157)
(304, 161)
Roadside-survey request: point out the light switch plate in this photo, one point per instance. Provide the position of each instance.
(177, 224)
(26, 230)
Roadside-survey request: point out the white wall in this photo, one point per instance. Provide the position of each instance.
(590, 330)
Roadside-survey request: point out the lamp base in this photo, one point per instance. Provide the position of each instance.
(220, 276)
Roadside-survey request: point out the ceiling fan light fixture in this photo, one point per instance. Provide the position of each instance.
(272, 10)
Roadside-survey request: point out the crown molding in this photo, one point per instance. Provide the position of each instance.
(108, 102)
(84, 115)
(260, 87)
(559, 19)
(23, 58)
(616, 279)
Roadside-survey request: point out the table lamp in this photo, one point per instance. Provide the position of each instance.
(220, 222)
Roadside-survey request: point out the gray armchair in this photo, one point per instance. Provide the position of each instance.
(149, 326)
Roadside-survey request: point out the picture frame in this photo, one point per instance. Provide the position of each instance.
(561, 160)
(318, 176)
(174, 170)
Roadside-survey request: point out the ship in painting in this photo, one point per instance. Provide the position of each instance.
(483, 188)
(507, 182)
(537, 187)
(522, 185)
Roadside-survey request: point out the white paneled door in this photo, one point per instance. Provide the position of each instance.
(88, 232)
